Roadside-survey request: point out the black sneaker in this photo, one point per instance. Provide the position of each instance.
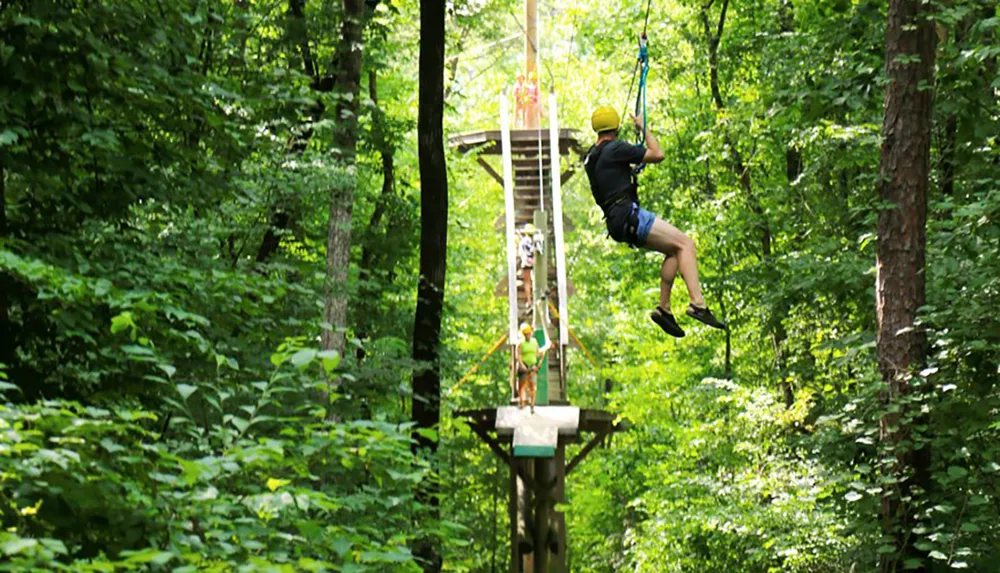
(704, 315)
(666, 321)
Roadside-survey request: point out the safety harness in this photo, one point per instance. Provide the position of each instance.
(629, 194)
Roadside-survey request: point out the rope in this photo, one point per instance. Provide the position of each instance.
(533, 47)
(579, 342)
(475, 368)
(641, 70)
(500, 342)
(645, 24)
(641, 94)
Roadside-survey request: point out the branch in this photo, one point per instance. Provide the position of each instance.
(722, 21)
(296, 7)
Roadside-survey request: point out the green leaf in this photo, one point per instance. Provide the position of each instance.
(937, 555)
(137, 350)
(122, 321)
(273, 483)
(186, 390)
(17, 545)
(341, 546)
(957, 472)
(240, 423)
(303, 357)
(330, 360)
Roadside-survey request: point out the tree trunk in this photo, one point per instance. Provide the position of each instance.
(347, 83)
(367, 294)
(902, 237)
(387, 153)
(6, 331)
(433, 250)
(737, 165)
(298, 35)
(948, 156)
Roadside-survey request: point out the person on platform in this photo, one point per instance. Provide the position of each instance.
(533, 116)
(519, 94)
(530, 242)
(609, 165)
(529, 359)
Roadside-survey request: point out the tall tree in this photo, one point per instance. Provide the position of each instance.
(6, 342)
(347, 85)
(426, 410)
(910, 43)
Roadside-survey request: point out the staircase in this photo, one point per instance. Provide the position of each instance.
(528, 183)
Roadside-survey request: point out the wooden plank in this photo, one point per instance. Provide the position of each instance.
(489, 140)
(594, 441)
(566, 419)
(590, 420)
(489, 169)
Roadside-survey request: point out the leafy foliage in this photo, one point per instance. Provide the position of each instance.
(165, 172)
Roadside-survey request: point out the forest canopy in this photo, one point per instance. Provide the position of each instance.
(244, 274)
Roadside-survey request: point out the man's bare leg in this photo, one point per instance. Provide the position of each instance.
(671, 241)
(667, 273)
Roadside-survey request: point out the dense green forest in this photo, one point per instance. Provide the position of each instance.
(242, 273)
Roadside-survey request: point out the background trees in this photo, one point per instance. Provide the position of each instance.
(166, 175)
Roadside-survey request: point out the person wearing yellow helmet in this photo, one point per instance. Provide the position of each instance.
(529, 359)
(613, 183)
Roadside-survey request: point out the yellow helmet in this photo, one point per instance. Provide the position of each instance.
(526, 329)
(604, 118)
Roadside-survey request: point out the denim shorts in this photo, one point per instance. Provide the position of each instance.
(618, 217)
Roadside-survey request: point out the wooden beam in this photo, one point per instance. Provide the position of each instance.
(489, 169)
(597, 439)
(494, 445)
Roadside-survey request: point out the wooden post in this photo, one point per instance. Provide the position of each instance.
(512, 512)
(545, 472)
(524, 500)
(531, 37)
(558, 521)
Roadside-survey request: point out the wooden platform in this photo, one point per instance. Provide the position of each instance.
(489, 141)
(588, 421)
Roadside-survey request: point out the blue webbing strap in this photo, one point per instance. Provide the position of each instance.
(640, 98)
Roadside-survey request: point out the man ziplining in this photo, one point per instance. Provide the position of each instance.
(614, 186)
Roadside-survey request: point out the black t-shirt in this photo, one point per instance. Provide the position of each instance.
(609, 168)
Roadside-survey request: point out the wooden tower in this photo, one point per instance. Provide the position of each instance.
(533, 445)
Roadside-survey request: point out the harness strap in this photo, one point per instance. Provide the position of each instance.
(631, 193)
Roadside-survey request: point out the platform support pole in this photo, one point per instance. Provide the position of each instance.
(513, 336)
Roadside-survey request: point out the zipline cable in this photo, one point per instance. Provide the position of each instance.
(533, 46)
(642, 62)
